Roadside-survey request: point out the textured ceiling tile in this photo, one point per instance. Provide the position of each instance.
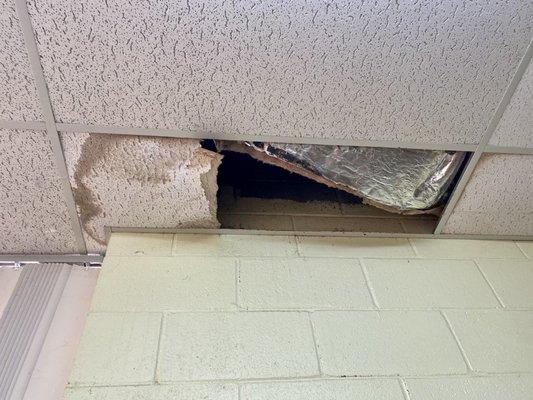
(516, 125)
(383, 70)
(498, 198)
(483, 223)
(18, 94)
(135, 181)
(33, 214)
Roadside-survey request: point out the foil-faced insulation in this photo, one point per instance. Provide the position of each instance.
(140, 182)
(405, 181)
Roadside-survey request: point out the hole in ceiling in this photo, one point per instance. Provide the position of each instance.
(256, 195)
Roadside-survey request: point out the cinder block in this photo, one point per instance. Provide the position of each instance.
(314, 246)
(234, 245)
(346, 389)
(33, 211)
(495, 341)
(139, 244)
(165, 284)
(347, 224)
(512, 280)
(466, 249)
(302, 283)
(419, 225)
(363, 343)
(478, 388)
(205, 346)
(348, 207)
(429, 283)
(184, 391)
(252, 205)
(256, 221)
(117, 349)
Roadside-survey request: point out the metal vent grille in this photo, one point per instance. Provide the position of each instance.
(25, 322)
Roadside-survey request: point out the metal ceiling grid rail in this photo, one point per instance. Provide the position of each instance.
(481, 147)
(49, 120)
(226, 231)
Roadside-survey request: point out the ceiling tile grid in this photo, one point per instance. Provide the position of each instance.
(32, 210)
(427, 72)
(498, 198)
(18, 93)
(515, 128)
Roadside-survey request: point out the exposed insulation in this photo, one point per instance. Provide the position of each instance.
(404, 181)
(33, 214)
(498, 199)
(134, 181)
(424, 71)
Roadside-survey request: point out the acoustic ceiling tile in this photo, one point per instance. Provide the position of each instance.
(430, 72)
(33, 213)
(516, 125)
(498, 198)
(18, 94)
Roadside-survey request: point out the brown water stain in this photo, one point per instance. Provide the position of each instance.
(148, 160)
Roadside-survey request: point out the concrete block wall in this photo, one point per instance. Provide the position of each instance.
(333, 213)
(280, 317)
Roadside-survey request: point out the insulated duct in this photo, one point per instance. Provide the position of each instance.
(404, 181)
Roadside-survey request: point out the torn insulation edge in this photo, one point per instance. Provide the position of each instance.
(403, 181)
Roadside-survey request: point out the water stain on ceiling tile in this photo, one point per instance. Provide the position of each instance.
(134, 181)
(498, 199)
(516, 125)
(430, 72)
(32, 210)
(18, 94)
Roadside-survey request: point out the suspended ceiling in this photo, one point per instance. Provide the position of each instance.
(446, 74)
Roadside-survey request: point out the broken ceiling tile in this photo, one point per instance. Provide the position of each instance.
(140, 182)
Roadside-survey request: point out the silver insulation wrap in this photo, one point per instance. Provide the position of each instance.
(400, 180)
